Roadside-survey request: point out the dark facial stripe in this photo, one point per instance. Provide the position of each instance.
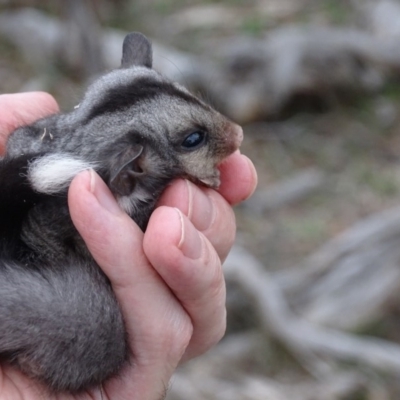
(121, 97)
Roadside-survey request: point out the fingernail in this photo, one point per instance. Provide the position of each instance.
(190, 242)
(103, 194)
(201, 208)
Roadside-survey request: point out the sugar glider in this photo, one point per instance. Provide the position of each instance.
(59, 320)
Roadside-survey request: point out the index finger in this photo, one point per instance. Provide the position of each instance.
(238, 178)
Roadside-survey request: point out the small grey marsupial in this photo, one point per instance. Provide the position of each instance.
(59, 320)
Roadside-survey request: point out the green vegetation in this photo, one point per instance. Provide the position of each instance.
(337, 11)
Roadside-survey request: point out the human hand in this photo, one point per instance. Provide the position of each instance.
(168, 281)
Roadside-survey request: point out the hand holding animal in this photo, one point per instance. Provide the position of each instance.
(59, 320)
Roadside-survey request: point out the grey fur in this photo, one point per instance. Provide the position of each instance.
(59, 320)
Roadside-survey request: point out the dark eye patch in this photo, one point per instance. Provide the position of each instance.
(194, 140)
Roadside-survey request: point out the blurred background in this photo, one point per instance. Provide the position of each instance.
(314, 279)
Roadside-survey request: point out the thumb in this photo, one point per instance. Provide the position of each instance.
(22, 109)
(110, 235)
(157, 326)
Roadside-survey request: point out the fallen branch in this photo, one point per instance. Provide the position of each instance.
(347, 281)
(302, 337)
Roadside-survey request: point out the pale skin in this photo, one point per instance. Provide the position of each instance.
(168, 280)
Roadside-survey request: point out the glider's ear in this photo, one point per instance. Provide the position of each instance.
(126, 170)
(136, 50)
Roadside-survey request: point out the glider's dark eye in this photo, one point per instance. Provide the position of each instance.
(194, 140)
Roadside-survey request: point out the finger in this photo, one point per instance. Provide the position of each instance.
(158, 327)
(190, 266)
(114, 240)
(21, 109)
(88, 194)
(238, 178)
(207, 210)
